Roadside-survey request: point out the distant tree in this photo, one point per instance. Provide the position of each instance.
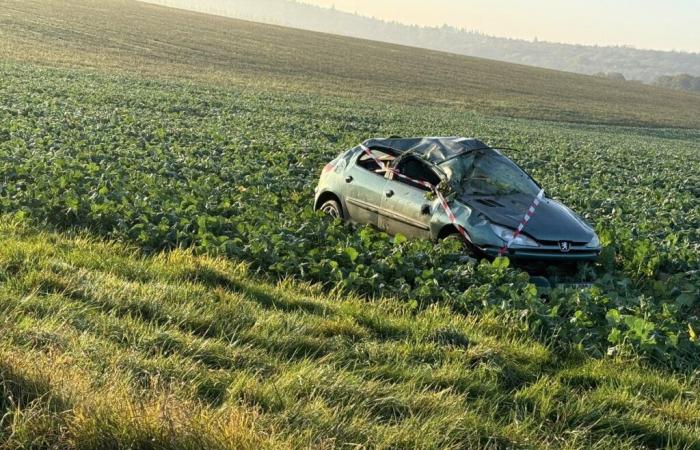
(612, 75)
(681, 82)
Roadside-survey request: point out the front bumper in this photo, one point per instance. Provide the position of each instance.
(546, 253)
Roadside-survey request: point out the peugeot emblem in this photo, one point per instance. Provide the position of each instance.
(565, 246)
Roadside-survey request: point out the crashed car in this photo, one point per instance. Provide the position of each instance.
(432, 187)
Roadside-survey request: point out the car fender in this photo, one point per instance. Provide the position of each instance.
(329, 190)
(440, 220)
(475, 224)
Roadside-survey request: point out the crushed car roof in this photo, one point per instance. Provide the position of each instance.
(434, 149)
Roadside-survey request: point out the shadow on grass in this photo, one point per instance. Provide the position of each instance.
(17, 390)
(645, 436)
(214, 279)
(32, 415)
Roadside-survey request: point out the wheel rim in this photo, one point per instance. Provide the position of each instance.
(331, 210)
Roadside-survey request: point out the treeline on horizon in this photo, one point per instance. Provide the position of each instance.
(682, 82)
(649, 66)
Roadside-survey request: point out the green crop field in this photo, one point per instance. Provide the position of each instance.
(123, 35)
(165, 283)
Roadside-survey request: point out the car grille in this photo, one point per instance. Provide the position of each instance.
(556, 243)
(537, 251)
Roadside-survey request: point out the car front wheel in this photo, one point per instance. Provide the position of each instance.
(332, 208)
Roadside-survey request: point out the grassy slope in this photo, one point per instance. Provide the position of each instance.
(123, 34)
(102, 348)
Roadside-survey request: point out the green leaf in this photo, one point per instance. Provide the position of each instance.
(613, 317)
(352, 253)
(614, 336)
(554, 312)
(501, 262)
(672, 339)
(639, 326)
(686, 299)
(366, 235)
(399, 239)
(531, 291)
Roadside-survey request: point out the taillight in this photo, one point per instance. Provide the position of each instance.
(328, 168)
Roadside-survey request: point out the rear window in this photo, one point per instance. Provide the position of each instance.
(369, 163)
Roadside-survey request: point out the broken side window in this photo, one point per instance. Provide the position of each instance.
(369, 163)
(414, 168)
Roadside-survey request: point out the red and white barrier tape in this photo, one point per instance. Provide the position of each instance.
(523, 223)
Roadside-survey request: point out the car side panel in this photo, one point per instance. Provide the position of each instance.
(363, 194)
(402, 211)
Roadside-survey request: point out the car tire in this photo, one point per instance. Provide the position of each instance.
(332, 208)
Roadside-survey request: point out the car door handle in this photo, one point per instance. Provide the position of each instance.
(389, 193)
(425, 210)
(349, 179)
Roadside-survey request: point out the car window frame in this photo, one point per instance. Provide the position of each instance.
(391, 175)
(380, 173)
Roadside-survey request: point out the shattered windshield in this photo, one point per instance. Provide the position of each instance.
(488, 173)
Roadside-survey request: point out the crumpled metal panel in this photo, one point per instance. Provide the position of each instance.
(433, 149)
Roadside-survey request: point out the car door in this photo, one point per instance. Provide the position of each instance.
(365, 183)
(405, 207)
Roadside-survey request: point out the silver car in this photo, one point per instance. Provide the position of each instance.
(392, 183)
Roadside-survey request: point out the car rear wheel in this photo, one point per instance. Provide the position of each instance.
(332, 208)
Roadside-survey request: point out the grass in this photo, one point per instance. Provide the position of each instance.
(105, 348)
(124, 35)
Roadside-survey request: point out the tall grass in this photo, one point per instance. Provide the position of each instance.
(104, 348)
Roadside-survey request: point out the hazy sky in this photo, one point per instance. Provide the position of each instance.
(657, 24)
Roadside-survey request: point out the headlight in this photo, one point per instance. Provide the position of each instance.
(595, 242)
(506, 234)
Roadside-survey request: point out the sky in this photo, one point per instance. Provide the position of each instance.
(653, 24)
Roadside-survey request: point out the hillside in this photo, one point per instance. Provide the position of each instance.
(634, 64)
(129, 35)
(102, 348)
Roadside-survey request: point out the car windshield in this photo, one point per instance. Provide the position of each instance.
(488, 173)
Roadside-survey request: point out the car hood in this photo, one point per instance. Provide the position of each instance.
(552, 221)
